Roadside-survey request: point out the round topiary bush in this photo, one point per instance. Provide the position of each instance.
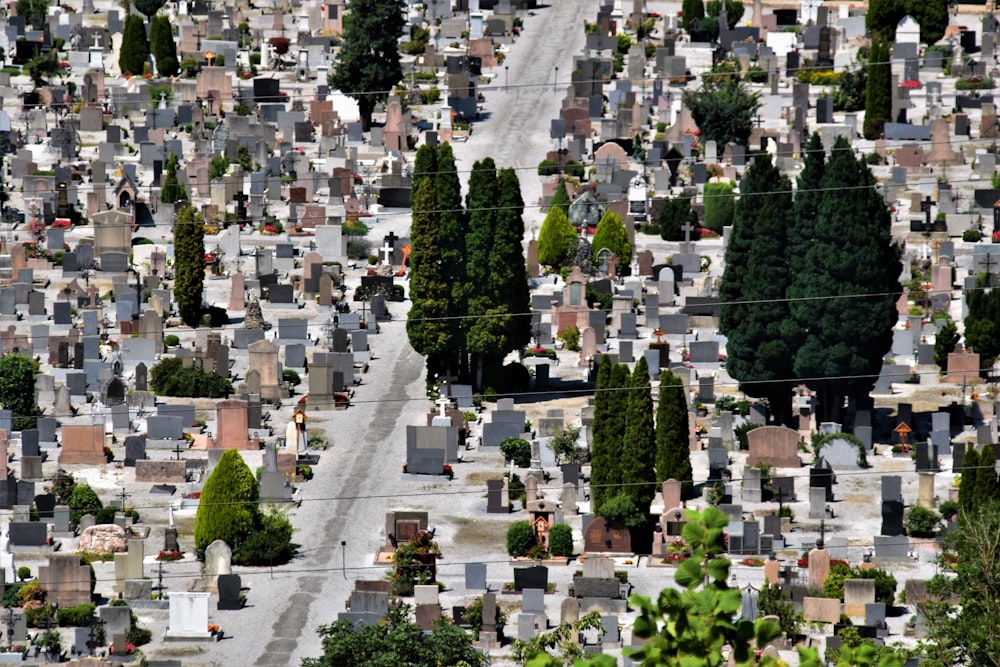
(520, 538)
(171, 340)
(516, 450)
(561, 540)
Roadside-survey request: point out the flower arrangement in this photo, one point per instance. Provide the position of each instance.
(61, 223)
(168, 556)
(752, 562)
(269, 230)
(448, 471)
(707, 233)
(910, 83)
(996, 236)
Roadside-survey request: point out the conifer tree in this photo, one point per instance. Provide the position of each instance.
(600, 444)
(227, 509)
(451, 235)
(637, 460)
(986, 479)
(878, 94)
(135, 47)
(853, 258)
(425, 326)
(969, 483)
(189, 264)
(508, 272)
(611, 234)
(555, 238)
(481, 206)
(673, 435)
(561, 199)
(172, 191)
(754, 314)
(424, 165)
(692, 11)
(675, 212)
(808, 195)
(162, 46)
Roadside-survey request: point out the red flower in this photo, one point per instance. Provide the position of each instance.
(910, 83)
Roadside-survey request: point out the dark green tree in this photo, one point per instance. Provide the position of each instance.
(424, 165)
(426, 326)
(368, 62)
(845, 300)
(808, 195)
(172, 191)
(734, 10)
(986, 479)
(17, 389)
(724, 110)
(451, 238)
(982, 322)
(135, 47)
(611, 234)
(675, 212)
(615, 434)
(883, 16)
(555, 238)
(508, 272)
(944, 344)
(561, 198)
(601, 445)
(189, 264)
(33, 11)
(83, 500)
(692, 12)
(149, 7)
(483, 337)
(851, 90)
(673, 435)
(162, 46)
(878, 92)
(754, 315)
(720, 205)
(42, 67)
(170, 377)
(968, 484)
(637, 457)
(932, 15)
(396, 641)
(962, 627)
(227, 509)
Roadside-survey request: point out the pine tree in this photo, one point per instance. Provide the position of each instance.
(637, 460)
(172, 191)
(555, 238)
(162, 46)
(673, 435)
(227, 509)
(986, 479)
(969, 483)
(426, 327)
(368, 62)
(754, 315)
(135, 47)
(611, 234)
(854, 258)
(878, 94)
(601, 451)
(189, 264)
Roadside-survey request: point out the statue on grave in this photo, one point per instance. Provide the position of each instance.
(254, 318)
(582, 254)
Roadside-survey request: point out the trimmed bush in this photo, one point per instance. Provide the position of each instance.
(171, 340)
(561, 540)
(922, 522)
(84, 500)
(520, 538)
(227, 509)
(720, 205)
(78, 616)
(516, 450)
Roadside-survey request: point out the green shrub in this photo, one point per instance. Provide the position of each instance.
(720, 205)
(622, 509)
(84, 500)
(474, 615)
(948, 509)
(971, 235)
(974, 83)
(922, 522)
(561, 540)
(520, 538)
(290, 376)
(171, 340)
(171, 378)
(516, 450)
(24, 573)
(270, 543)
(574, 169)
(548, 168)
(231, 486)
(78, 616)
(885, 583)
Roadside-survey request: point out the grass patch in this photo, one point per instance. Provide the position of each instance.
(480, 478)
(479, 532)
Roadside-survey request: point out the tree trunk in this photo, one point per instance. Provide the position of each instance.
(830, 405)
(366, 107)
(780, 403)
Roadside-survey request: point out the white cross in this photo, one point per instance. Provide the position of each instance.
(442, 402)
(386, 251)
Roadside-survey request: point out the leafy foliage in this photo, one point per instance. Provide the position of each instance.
(560, 199)
(555, 238)
(622, 509)
(269, 543)
(33, 11)
(148, 7)
(967, 487)
(922, 522)
(885, 583)
(723, 110)
(520, 538)
(170, 378)
(409, 568)
(516, 450)
(135, 47)
(611, 234)
(851, 91)
(189, 264)
(17, 389)
(637, 458)
(42, 66)
(161, 44)
(84, 500)
(692, 11)
(673, 434)
(368, 62)
(878, 94)
(675, 212)
(982, 329)
(720, 205)
(561, 540)
(944, 344)
(395, 641)
(227, 509)
(172, 190)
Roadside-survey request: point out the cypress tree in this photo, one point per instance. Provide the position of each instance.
(189, 264)
(555, 238)
(854, 258)
(600, 448)
(673, 214)
(755, 316)
(508, 272)
(428, 334)
(615, 433)
(172, 191)
(611, 234)
(451, 238)
(162, 46)
(481, 205)
(673, 435)
(692, 12)
(808, 195)
(227, 509)
(878, 94)
(637, 460)
(968, 486)
(424, 165)
(986, 479)
(560, 199)
(135, 47)
(932, 15)
(720, 205)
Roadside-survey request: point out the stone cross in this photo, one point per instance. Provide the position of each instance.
(925, 207)
(386, 252)
(442, 402)
(688, 228)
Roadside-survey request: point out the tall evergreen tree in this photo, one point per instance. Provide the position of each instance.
(968, 486)
(424, 165)
(986, 479)
(878, 95)
(162, 46)
(451, 234)
(189, 263)
(135, 47)
(508, 272)
(638, 451)
(561, 198)
(555, 238)
(723, 110)
(674, 214)
(808, 195)
(673, 435)
(601, 450)
(611, 234)
(425, 326)
(754, 316)
(481, 206)
(368, 62)
(883, 15)
(692, 12)
(172, 191)
(932, 15)
(845, 301)
(614, 434)
(982, 322)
